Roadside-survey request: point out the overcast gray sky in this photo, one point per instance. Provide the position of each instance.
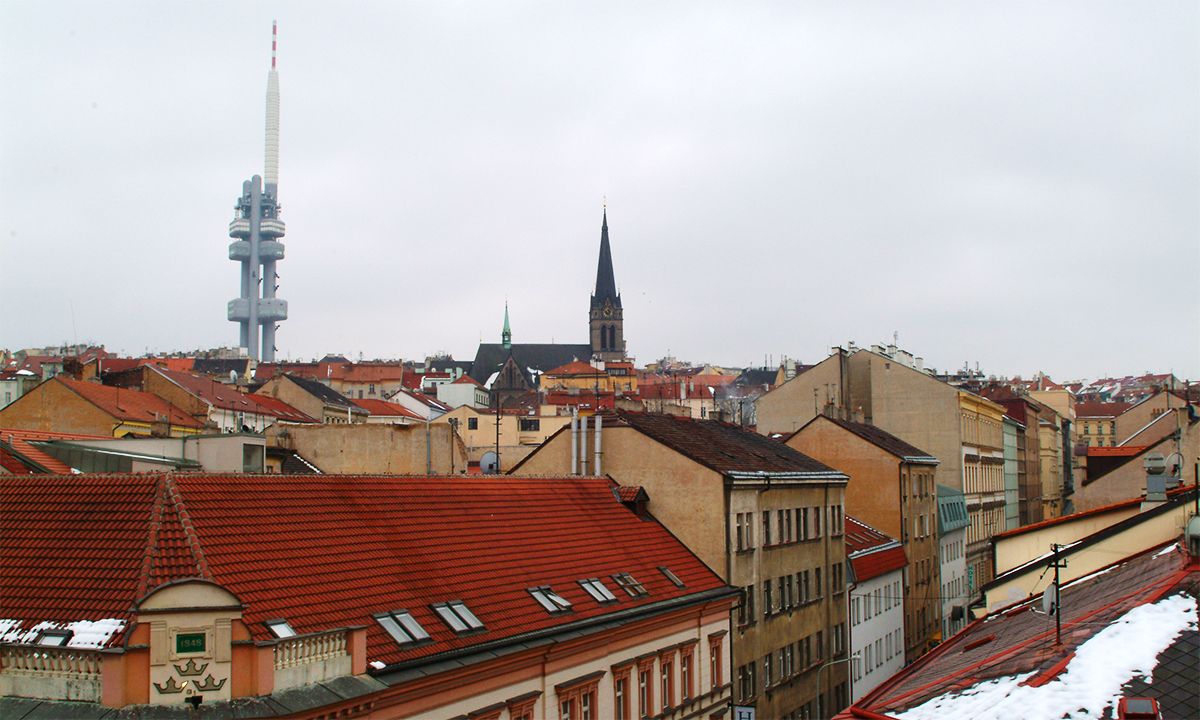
(1013, 184)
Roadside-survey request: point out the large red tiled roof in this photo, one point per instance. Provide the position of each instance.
(329, 551)
(131, 405)
(85, 547)
(214, 393)
(1100, 409)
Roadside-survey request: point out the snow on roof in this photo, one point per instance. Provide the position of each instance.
(1092, 681)
(86, 633)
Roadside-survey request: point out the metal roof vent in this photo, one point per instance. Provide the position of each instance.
(1192, 536)
(1136, 708)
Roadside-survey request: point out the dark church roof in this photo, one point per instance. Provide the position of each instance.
(542, 357)
(606, 283)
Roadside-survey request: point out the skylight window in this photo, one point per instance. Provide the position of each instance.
(671, 576)
(280, 628)
(402, 627)
(598, 591)
(631, 586)
(55, 638)
(552, 601)
(457, 616)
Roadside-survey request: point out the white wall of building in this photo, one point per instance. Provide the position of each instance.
(952, 551)
(876, 632)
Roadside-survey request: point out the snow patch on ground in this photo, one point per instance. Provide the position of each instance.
(1092, 682)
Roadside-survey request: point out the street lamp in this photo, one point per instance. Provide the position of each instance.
(824, 710)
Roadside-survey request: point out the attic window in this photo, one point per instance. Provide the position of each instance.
(457, 616)
(402, 627)
(633, 587)
(552, 601)
(598, 591)
(671, 576)
(280, 628)
(55, 638)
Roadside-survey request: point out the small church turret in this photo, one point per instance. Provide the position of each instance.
(506, 334)
(605, 318)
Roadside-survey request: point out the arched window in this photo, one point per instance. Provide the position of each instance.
(603, 337)
(612, 337)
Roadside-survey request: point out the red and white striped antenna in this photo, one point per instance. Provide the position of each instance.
(273, 44)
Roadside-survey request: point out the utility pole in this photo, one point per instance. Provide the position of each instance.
(1057, 594)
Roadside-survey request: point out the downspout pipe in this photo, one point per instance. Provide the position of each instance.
(596, 469)
(574, 442)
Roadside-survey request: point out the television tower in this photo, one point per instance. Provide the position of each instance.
(256, 229)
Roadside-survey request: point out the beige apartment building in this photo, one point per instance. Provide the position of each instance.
(892, 488)
(765, 517)
(962, 430)
(519, 433)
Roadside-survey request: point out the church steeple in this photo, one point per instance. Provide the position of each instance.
(506, 334)
(605, 317)
(606, 284)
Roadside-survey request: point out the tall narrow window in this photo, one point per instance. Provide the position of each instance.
(685, 674)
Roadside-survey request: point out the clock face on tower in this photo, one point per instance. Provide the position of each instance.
(608, 311)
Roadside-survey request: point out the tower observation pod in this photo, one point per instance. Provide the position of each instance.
(256, 229)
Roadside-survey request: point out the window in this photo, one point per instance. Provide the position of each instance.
(621, 697)
(552, 601)
(671, 576)
(280, 628)
(666, 670)
(55, 638)
(766, 528)
(817, 577)
(766, 598)
(598, 591)
(631, 586)
(457, 616)
(645, 691)
(817, 521)
(714, 663)
(685, 674)
(402, 627)
(741, 540)
(529, 424)
(472, 423)
(768, 661)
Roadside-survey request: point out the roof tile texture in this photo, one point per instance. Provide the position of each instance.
(330, 551)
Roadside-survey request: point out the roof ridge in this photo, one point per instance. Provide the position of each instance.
(151, 550)
(185, 521)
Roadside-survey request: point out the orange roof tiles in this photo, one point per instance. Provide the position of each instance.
(329, 551)
(130, 405)
(20, 441)
(383, 407)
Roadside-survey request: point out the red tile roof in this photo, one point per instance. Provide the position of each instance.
(578, 367)
(216, 394)
(871, 552)
(385, 408)
(130, 405)
(20, 441)
(282, 410)
(377, 544)
(1100, 409)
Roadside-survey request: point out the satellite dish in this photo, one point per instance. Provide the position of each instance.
(490, 463)
(233, 376)
(1050, 600)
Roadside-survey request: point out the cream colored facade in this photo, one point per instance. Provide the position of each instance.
(519, 434)
(963, 431)
(1051, 444)
(722, 520)
(1160, 525)
(189, 641)
(378, 449)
